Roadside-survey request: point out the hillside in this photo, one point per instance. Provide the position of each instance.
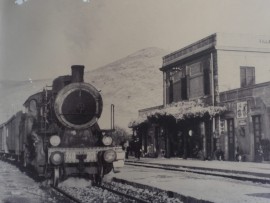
(131, 83)
(14, 93)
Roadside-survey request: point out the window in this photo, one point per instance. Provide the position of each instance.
(199, 84)
(231, 138)
(247, 76)
(256, 120)
(195, 69)
(33, 107)
(171, 92)
(257, 130)
(196, 80)
(196, 86)
(176, 86)
(206, 75)
(184, 88)
(188, 81)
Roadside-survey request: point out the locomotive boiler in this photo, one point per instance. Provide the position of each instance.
(59, 136)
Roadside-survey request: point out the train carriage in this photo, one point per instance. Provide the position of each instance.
(12, 135)
(2, 139)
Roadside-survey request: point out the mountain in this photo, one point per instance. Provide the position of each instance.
(131, 83)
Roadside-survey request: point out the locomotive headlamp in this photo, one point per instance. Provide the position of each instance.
(106, 140)
(57, 158)
(109, 156)
(55, 140)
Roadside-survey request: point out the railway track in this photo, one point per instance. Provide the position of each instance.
(202, 171)
(136, 199)
(66, 195)
(116, 191)
(126, 197)
(62, 195)
(97, 195)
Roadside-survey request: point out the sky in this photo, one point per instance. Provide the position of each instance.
(42, 39)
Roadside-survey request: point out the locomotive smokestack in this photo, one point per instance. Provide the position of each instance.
(77, 72)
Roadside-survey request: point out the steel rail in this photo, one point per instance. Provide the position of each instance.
(74, 199)
(123, 194)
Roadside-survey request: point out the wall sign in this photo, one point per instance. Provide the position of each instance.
(222, 127)
(242, 122)
(242, 109)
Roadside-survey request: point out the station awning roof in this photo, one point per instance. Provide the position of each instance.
(180, 111)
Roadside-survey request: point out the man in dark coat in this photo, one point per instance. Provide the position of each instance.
(137, 147)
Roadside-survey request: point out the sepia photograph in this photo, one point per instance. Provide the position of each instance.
(134, 101)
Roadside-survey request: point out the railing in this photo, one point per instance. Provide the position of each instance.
(235, 94)
(240, 93)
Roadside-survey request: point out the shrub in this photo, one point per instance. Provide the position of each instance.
(120, 135)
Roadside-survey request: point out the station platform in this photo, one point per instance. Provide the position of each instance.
(232, 167)
(201, 181)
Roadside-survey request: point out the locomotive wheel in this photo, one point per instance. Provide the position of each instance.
(56, 175)
(107, 168)
(97, 179)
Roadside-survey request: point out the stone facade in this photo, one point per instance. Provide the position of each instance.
(219, 70)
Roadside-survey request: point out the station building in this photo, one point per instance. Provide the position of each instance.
(216, 101)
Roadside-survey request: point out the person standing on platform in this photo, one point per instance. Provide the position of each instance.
(137, 147)
(126, 146)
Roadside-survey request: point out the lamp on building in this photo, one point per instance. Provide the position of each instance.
(176, 68)
(162, 132)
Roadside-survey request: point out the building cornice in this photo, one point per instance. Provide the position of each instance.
(219, 42)
(193, 49)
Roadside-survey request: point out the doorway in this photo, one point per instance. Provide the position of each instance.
(231, 139)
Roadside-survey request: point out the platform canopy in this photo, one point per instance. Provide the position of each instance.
(180, 111)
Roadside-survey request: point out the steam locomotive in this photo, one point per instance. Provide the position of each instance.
(58, 134)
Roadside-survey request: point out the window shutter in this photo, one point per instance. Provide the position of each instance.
(177, 91)
(247, 76)
(184, 88)
(171, 92)
(250, 76)
(206, 81)
(243, 76)
(167, 94)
